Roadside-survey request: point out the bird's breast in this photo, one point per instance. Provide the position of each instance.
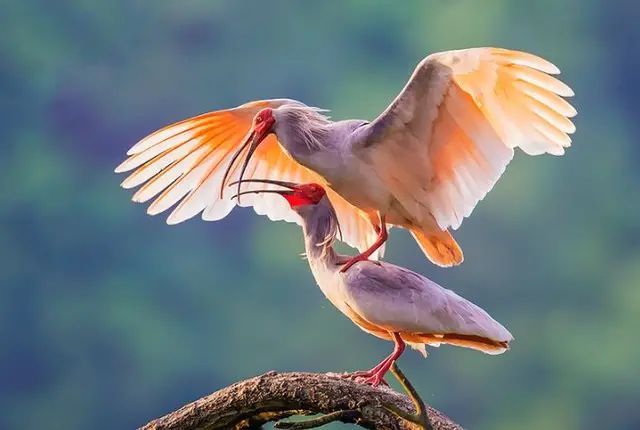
(360, 185)
(331, 283)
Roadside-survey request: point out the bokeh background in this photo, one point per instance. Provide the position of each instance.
(109, 317)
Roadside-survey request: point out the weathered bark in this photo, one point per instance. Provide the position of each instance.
(273, 396)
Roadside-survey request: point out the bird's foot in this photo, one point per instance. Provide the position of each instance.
(373, 380)
(370, 377)
(357, 374)
(346, 264)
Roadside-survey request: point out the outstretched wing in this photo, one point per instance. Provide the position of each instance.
(448, 136)
(184, 164)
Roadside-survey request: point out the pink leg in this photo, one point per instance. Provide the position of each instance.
(367, 373)
(376, 375)
(383, 235)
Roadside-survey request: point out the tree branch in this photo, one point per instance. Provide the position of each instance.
(273, 396)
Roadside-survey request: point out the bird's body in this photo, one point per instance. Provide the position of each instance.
(344, 160)
(383, 299)
(338, 153)
(423, 164)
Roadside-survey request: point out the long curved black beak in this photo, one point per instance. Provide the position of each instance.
(251, 139)
(290, 187)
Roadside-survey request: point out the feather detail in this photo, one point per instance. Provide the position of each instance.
(449, 135)
(421, 348)
(183, 164)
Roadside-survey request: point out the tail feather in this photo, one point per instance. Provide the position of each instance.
(488, 346)
(439, 246)
(478, 343)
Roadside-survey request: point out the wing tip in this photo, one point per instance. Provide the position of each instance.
(129, 182)
(527, 59)
(171, 220)
(153, 209)
(122, 167)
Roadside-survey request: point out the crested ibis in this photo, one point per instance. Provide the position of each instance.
(383, 299)
(422, 164)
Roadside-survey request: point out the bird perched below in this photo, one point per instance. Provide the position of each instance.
(422, 164)
(383, 299)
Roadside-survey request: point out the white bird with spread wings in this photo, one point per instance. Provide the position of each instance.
(422, 164)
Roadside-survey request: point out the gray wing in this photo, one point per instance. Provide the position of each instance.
(401, 300)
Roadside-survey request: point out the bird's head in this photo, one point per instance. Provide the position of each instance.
(296, 125)
(310, 201)
(262, 126)
(299, 196)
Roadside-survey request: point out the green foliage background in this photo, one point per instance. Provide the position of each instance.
(109, 317)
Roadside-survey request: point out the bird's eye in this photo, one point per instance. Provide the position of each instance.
(258, 120)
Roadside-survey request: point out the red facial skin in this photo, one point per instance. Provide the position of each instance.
(263, 123)
(307, 194)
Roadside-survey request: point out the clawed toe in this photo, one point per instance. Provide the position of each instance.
(356, 375)
(368, 377)
(373, 380)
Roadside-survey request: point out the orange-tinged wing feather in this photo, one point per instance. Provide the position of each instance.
(452, 130)
(183, 165)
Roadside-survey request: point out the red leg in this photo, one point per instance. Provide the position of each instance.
(383, 235)
(367, 373)
(378, 376)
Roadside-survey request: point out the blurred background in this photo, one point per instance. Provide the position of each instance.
(109, 317)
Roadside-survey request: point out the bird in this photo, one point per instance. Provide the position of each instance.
(423, 164)
(385, 300)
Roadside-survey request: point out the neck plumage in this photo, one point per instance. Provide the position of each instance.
(302, 130)
(320, 227)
